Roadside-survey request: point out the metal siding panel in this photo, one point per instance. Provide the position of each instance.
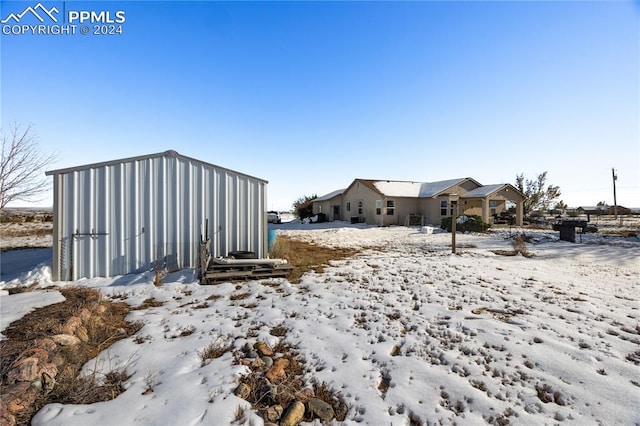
(152, 208)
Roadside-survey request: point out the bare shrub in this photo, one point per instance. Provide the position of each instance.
(519, 245)
(239, 296)
(215, 350)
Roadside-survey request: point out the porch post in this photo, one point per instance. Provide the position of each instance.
(519, 212)
(485, 210)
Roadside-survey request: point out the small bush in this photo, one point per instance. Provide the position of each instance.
(215, 350)
(473, 223)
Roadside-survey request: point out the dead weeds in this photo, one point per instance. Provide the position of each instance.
(105, 325)
(305, 257)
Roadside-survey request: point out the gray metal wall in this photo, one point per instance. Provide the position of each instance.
(130, 215)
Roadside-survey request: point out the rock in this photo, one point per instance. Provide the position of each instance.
(257, 363)
(263, 349)
(274, 413)
(321, 409)
(47, 344)
(276, 374)
(25, 396)
(38, 353)
(305, 394)
(281, 363)
(82, 334)
(6, 417)
(66, 339)
(24, 370)
(252, 354)
(37, 384)
(294, 414)
(242, 391)
(268, 361)
(84, 314)
(71, 325)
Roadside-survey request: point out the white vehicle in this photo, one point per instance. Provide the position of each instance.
(273, 217)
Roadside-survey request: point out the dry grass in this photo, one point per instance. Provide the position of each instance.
(278, 331)
(39, 229)
(103, 330)
(239, 296)
(148, 303)
(215, 350)
(305, 257)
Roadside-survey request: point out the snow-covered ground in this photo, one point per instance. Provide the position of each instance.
(468, 338)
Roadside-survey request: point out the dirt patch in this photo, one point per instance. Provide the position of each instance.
(305, 257)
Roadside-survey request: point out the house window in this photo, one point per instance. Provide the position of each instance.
(378, 207)
(391, 207)
(493, 207)
(359, 207)
(443, 207)
(320, 208)
(348, 206)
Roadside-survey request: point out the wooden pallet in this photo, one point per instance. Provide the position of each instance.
(252, 271)
(211, 271)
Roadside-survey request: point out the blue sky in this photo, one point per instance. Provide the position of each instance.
(310, 95)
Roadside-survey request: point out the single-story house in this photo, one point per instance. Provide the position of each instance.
(139, 213)
(385, 202)
(597, 210)
(603, 210)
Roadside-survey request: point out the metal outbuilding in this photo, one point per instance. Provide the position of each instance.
(131, 215)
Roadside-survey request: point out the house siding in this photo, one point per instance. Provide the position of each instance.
(427, 203)
(361, 192)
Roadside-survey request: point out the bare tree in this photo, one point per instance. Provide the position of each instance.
(539, 195)
(22, 167)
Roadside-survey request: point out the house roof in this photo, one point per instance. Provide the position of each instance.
(169, 153)
(330, 195)
(391, 188)
(593, 208)
(407, 189)
(486, 190)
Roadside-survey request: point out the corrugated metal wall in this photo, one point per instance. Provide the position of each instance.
(122, 217)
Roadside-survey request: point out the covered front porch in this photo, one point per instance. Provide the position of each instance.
(492, 202)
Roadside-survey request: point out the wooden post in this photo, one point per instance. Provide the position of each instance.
(454, 211)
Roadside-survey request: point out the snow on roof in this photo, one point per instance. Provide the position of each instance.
(483, 191)
(414, 189)
(330, 195)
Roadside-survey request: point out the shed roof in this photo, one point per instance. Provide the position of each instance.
(169, 153)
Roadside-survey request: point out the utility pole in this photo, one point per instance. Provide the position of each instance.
(615, 202)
